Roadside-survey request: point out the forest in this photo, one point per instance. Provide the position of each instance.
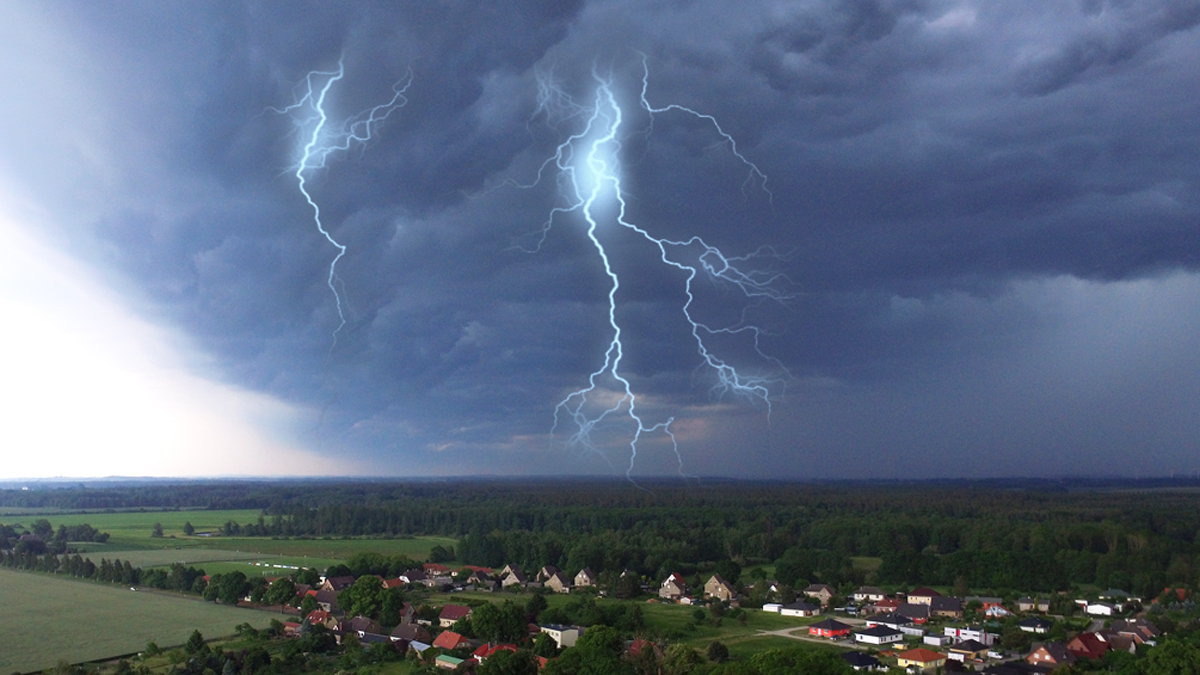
(1032, 537)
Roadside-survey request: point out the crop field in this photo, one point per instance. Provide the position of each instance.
(49, 618)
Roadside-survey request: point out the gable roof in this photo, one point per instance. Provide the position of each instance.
(924, 593)
(454, 612)
(879, 630)
(449, 640)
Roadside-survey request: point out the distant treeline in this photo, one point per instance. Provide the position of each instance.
(986, 536)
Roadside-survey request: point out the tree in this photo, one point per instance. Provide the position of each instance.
(681, 659)
(537, 603)
(717, 652)
(729, 570)
(505, 623)
(188, 529)
(282, 591)
(363, 598)
(1172, 658)
(195, 644)
(520, 662)
(545, 646)
(157, 531)
(231, 587)
(441, 554)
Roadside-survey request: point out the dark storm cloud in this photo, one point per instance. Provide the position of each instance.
(923, 157)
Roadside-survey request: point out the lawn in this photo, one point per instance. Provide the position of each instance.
(50, 618)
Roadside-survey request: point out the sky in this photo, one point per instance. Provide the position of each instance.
(962, 239)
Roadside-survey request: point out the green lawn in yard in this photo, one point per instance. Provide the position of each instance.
(50, 618)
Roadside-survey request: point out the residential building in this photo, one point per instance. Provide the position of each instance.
(878, 635)
(925, 659)
(968, 650)
(798, 608)
(1035, 624)
(452, 613)
(673, 587)
(946, 607)
(449, 640)
(829, 628)
(585, 578)
(923, 596)
(1088, 646)
(868, 594)
(558, 583)
(718, 588)
(862, 662)
(1052, 654)
(564, 636)
(822, 592)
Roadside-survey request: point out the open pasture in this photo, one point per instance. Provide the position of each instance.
(50, 618)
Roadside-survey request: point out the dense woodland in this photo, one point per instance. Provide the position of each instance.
(1139, 537)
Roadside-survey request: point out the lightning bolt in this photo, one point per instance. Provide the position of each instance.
(587, 166)
(323, 140)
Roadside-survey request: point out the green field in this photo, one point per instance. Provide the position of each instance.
(131, 533)
(50, 618)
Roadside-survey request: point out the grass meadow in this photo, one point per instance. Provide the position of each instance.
(131, 540)
(46, 619)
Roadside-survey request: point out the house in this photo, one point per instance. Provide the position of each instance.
(413, 576)
(938, 640)
(887, 605)
(484, 652)
(822, 592)
(1100, 608)
(327, 600)
(996, 612)
(774, 607)
(321, 617)
(585, 578)
(917, 612)
(449, 640)
(860, 661)
(1088, 646)
(411, 632)
(512, 577)
(1117, 642)
(389, 584)
(986, 601)
(946, 607)
(397, 646)
(1028, 604)
(1143, 631)
(483, 581)
(718, 588)
(673, 587)
(451, 614)
(829, 628)
(336, 584)
(1051, 654)
(360, 625)
(546, 572)
(977, 633)
(1035, 624)
(878, 635)
(968, 650)
(448, 662)
(868, 594)
(1016, 668)
(558, 583)
(798, 608)
(925, 659)
(923, 596)
(564, 636)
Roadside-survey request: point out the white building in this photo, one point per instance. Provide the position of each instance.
(564, 636)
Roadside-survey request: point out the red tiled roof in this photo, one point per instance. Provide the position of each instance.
(921, 655)
(449, 640)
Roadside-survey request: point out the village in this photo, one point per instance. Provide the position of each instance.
(920, 630)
